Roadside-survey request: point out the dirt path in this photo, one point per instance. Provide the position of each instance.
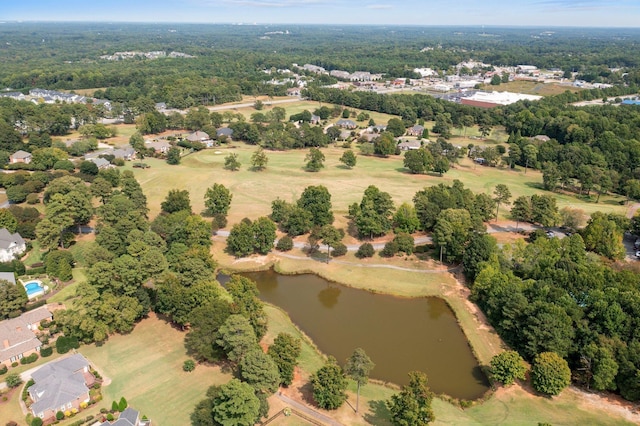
(631, 211)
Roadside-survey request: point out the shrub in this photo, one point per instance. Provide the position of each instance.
(13, 380)
(508, 366)
(33, 199)
(59, 415)
(550, 373)
(114, 406)
(285, 243)
(189, 365)
(405, 243)
(339, 250)
(390, 249)
(11, 423)
(37, 421)
(110, 417)
(3, 369)
(65, 343)
(29, 359)
(122, 405)
(365, 250)
(15, 364)
(45, 352)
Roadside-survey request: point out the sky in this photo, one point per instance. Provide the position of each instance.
(584, 13)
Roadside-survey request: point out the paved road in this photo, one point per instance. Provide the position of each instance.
(308, 411)
(250, 104)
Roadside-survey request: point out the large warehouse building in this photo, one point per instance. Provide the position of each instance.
(494, 99)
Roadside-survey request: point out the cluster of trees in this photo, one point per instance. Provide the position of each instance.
(313, 208)
(550, 373)
(549, 296)
(232, 330)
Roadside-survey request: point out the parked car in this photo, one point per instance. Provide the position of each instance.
(638, 254)
(550, 234)
(637, 244)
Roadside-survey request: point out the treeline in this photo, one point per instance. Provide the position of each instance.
(549, 296)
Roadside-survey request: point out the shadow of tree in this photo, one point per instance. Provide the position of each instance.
(306, 391)
(378, 414)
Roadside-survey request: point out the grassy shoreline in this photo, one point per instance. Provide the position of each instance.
(514, 405)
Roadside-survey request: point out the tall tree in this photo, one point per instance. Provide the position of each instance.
(217, 200)
(237, 337)
(13, 299)
(329, 385)
(502, 196)
(412, 406)
(260, 371)
(522, 210)
(259, 159)
(285, 351)
(236, 404)
(176, 200)
(231, 162)
(317, 201)
(315, 160)
(348, 158)
(358, 367)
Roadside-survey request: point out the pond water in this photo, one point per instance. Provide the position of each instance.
(398, 334)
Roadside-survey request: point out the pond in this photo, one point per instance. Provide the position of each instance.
(398, 334)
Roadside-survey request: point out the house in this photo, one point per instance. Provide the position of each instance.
(13, 95)
(378, 128)
(11, 245)
(541, 138)
(60, 386)
(18, 335)
(294, 91)
(415, 130)
(198, 136)
(161, 106)
(224, 131)
(8, 276)
(101, 163)
(346, 124)
(409, 145)
(129, 417)
(127, 153)
(20, 157)
(315, 119)
(160, 147)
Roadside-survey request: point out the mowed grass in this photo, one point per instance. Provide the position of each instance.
(292, 108)
(146, 368)
(531, 88)
(286, 178)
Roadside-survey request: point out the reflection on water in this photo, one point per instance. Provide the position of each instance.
(398, 334)
(329, 296)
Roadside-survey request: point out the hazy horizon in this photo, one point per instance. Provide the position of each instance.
(500, 13)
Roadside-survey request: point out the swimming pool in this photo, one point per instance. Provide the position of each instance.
(33, 289)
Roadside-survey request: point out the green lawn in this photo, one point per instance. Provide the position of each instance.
(146, 368)
(286, 178)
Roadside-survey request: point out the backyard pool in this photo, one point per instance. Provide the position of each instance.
(34, 289)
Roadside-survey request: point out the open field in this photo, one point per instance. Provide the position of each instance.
(146, 368)
(286, 178)
(531, 88)
(297, 107)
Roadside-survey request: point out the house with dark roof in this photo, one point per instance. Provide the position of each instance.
(11, 245)
(60, 386)
(18, 335)
(129, 417)
(224, 131)
(20, 157)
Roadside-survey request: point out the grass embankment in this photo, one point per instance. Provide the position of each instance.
(286, 178)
